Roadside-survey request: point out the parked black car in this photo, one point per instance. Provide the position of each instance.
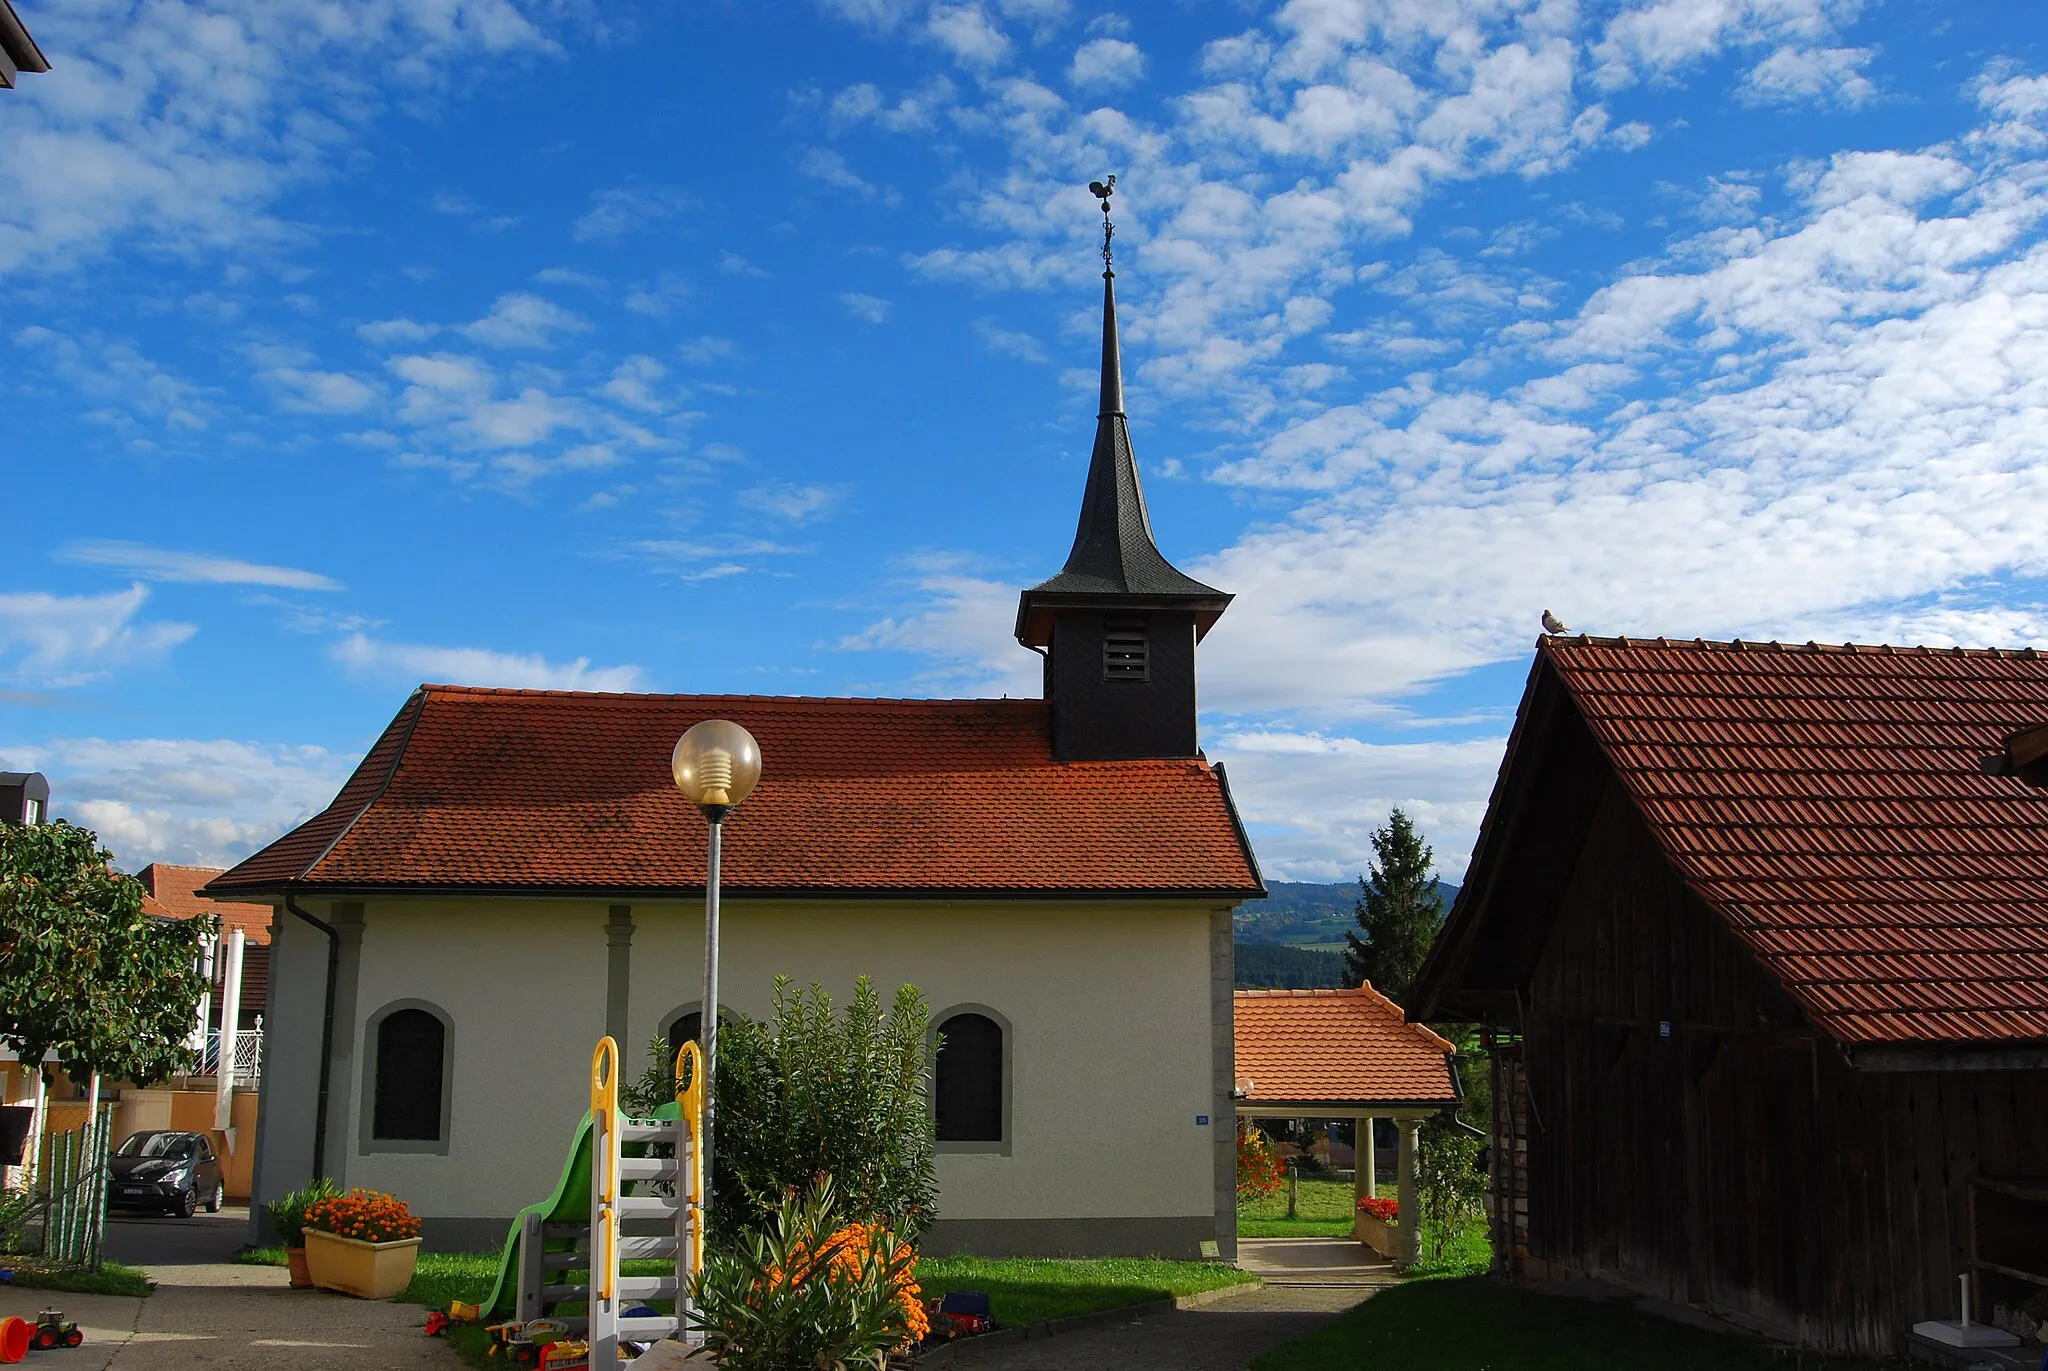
(165, 1170)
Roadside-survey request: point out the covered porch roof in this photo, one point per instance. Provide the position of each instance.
(1313, 1052)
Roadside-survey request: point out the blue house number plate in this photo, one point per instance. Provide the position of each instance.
(1201, 1120)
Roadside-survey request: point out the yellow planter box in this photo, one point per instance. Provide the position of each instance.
(370, 1270)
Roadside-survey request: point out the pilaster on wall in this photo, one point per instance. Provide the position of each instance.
(1223, 1075)
(348, 920)
(618, 975)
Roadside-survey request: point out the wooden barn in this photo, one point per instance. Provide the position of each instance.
(1760, 937)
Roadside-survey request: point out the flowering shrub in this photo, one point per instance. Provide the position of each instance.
(365, 1215)
(1259, 1170)
(1386, 1211)
(810, 1291)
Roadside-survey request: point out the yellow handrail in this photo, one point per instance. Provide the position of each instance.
(691, 1099)
(604, 1178)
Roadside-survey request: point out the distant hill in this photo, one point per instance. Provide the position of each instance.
(1304, 914)
(1269, 966)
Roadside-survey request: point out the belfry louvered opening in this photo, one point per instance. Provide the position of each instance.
(1126, 655)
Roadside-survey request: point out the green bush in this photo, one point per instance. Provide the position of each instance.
(288, 1211)
(19, 1205)
(807, 1291)
(812, 1093)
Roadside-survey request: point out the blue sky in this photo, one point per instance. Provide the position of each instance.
(750, 347)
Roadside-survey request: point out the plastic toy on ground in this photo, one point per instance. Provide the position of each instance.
(51, 1330)
(14, 1339)
(962, 1314)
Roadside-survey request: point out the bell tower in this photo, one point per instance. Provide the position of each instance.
(1119, 624)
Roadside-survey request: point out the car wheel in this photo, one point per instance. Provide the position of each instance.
(219, 1197)
(188, 1203)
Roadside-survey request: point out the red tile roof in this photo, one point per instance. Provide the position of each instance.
(173, 892)
(1336, 1047)
(1833, 804)
(552, 790)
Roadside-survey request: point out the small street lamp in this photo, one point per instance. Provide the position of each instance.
(717, 764)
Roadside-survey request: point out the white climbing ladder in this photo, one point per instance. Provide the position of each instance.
(659, 1223)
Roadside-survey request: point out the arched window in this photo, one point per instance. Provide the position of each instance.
(683, 1025)
(969, 1092)
(409, 1078)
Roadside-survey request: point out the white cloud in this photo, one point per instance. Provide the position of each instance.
(1008, 342)
(732, 264)
(961, 624)
(479, 666)
(966, 31)
(830, 167)
(870, 309)
(1311, 800)
(206, 568)
(1792, 75)
(618, 212)
(202, 802)
(126, 143)
(915, 111)
(311, 391)
(384, 332)
(68, 640)
(1106, 63)
(796, 503)
(519, 320)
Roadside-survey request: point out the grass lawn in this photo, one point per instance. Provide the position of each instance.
(112, 1278)
(1027, 1290)
(1020, 1290)
(1322, 1210)
(1477, 1325)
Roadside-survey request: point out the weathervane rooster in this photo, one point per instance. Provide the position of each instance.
(1102, 190)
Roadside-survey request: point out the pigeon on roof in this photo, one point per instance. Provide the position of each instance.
(1553, 624)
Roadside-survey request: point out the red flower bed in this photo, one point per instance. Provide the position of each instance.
(1386, 1211)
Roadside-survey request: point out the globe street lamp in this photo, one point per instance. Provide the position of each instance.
(717, 764)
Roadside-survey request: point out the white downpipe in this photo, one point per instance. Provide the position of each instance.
(230, 1025)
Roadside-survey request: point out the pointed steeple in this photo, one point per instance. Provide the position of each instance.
(1115, 560)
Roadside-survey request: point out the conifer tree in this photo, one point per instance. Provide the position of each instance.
(1398, 911)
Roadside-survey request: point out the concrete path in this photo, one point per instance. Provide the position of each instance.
(208, 1312)
(1308, 1283)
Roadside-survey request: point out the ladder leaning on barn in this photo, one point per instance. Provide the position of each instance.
(637, 1227)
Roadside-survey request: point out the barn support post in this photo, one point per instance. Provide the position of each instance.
(1411, 1204)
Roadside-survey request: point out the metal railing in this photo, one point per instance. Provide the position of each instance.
(247, 1059)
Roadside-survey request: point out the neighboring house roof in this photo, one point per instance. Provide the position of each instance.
(1337, 1047)
(1839, 807)
(173, 892)
(516, 790)
(18, 50)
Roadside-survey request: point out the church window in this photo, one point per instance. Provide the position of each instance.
(969, 1090)
(409, 1078)
(1125, 655)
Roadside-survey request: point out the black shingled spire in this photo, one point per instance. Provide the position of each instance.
(1114, 553)
(1119, 624)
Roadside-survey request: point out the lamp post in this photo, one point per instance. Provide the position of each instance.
(716, 764)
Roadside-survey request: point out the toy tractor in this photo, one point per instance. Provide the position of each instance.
(52, 1331)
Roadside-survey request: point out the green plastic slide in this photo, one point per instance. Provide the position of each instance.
(570, 1203)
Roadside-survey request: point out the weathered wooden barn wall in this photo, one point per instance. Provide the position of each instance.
(1737, 1163)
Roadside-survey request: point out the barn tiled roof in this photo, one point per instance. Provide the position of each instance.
(1838, 807)
(553, 790)
(1336, 1047)
(173, 892)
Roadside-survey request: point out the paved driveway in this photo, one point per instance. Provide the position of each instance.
(207, 1312)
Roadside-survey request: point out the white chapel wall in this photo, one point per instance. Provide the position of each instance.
(1109, 1006)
